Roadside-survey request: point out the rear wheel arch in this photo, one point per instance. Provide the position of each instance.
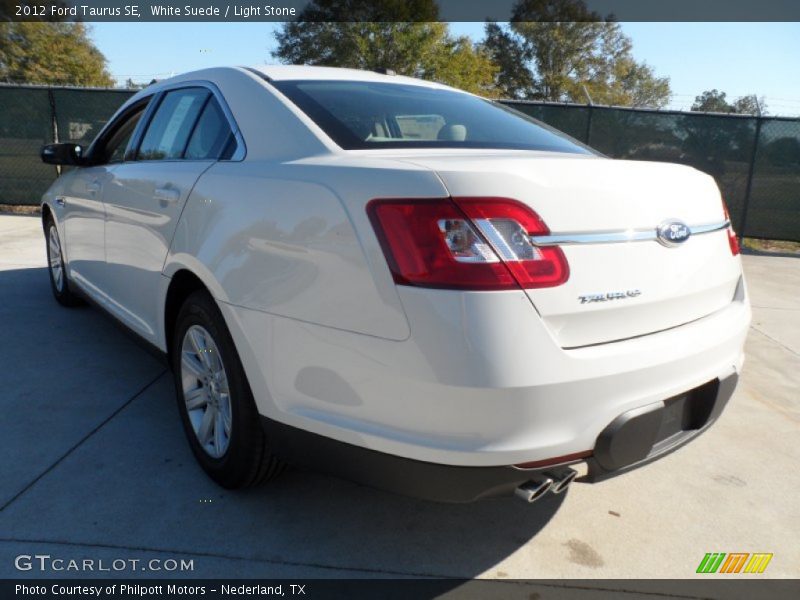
(184, 283)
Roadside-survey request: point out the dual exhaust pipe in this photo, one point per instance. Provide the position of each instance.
(539, 485)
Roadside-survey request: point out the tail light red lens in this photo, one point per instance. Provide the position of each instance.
(465, 243)
(508, 226)
(733, 241)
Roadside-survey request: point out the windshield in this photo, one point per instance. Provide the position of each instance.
(361, 115)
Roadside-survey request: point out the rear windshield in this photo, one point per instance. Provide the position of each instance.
(362, 115)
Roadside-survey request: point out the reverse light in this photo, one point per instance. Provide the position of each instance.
(465, 243)
(508, 226)
(733, 241)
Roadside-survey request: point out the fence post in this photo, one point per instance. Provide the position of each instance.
(587, 136)
(53, 123)
(749, 189)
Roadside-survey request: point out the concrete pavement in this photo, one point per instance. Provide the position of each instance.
(94, 464)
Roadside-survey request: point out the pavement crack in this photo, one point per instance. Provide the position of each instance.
(80, 442)
(772, 339)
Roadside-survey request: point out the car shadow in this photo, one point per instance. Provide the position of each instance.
(97, 456)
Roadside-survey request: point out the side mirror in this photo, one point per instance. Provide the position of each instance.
(63, 154)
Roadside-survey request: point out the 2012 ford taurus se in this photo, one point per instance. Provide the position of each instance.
(401, 283)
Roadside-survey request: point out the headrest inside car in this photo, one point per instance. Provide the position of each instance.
(452, 133)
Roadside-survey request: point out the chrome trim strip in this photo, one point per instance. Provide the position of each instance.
(616, 237)
(709, 227)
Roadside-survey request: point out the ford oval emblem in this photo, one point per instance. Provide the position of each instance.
(673, 233)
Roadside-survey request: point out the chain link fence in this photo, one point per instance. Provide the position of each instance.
(32, 116)
(755, 160)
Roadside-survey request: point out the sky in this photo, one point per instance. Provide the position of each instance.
(737, 58)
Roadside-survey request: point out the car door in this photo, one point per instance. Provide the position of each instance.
(186, 132)
(84, 212)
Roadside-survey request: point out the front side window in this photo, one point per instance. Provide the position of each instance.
(112, 146)
(362, 115)
(169, 129)
(115, 149)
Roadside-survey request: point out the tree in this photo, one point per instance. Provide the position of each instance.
(461, 64)
(513, 79)
(556, 49)
(750, 105)
(52, 54)
(130, 84)
(782, 152)
(712, 101)
(716, 101)
(383, 40)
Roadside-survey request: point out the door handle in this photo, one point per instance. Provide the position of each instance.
(167, 194)
(61, 201)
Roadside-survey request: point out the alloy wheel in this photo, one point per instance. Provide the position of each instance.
(205, 391)
(56, 265)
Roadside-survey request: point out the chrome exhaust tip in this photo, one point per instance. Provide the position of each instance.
(562, 480)
(533, 490)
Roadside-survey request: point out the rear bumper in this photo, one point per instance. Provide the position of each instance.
(631, 440)
(640, 436)
(480, 382)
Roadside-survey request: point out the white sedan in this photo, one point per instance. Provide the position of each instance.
(399, 282)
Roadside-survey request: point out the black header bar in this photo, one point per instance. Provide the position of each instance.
(709, 588)
(396, 10)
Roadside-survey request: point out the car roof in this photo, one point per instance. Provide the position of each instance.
(303, 72)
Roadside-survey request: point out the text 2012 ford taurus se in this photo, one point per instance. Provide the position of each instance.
(400, 282)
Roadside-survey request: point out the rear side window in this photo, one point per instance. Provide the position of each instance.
(169, 129)
(212, 136)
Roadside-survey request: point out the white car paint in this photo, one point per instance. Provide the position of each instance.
(330, 344)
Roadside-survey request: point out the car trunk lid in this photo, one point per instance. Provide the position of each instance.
(616, 290)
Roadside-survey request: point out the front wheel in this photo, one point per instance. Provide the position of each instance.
(216, 405)
(59, 283)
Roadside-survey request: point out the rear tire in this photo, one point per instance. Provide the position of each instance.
(217, 408)
(59, 282)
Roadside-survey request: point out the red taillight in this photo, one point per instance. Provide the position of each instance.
(465, 243)
(733, 241)
(508, 225)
